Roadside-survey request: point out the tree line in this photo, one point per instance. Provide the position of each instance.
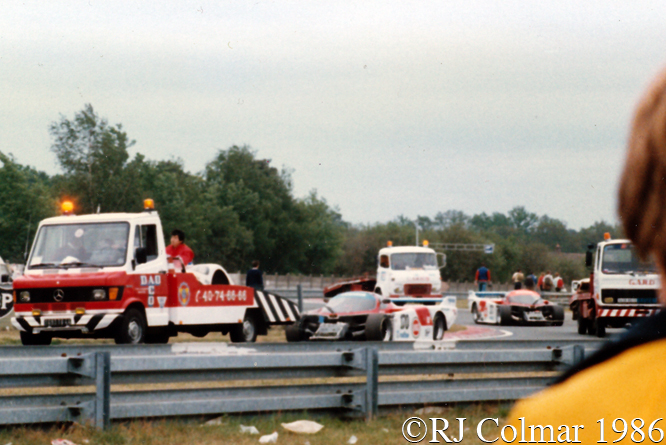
(241, 208)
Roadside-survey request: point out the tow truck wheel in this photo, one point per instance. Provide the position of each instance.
(245, 332)
(35, 339)
(132, 328)
(600, 326)
(438, 327)
(582, 325)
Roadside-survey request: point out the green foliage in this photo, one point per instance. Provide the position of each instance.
(522, 240)
(25, 199)
(93, 157)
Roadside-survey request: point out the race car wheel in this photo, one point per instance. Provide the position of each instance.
(438, 327)
(505, 315)
(475, 314)
(558, 315)
(378, 327)
(582, 325)
(132, 328)
(293, 332)
(245, 332)
(28, 339)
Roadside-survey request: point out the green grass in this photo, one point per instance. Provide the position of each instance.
(385, 429)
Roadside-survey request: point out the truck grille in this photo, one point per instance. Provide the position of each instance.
(418, 289)
(630, 296)
(66, 294)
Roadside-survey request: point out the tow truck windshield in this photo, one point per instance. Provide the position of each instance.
(411, 261)
(623, 259)
(65, 246)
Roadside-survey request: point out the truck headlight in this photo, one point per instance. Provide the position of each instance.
(24, 296)
(99, 294)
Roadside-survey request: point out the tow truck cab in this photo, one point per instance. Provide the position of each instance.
(622, 288)
(408, 271)
(108, 276)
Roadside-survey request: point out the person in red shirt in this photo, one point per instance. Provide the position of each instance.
(178, 248)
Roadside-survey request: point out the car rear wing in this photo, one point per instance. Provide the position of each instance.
(448, 300)
(487, 294)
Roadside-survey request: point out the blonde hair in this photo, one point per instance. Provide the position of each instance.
(642, 194)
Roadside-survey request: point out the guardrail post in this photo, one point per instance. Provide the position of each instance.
(578, 354)
(299, 293)
(103, 393)
(372, 383)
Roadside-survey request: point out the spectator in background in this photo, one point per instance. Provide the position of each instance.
(558, 282)
(254, 277)
(533, 277)
(178, 248)
(482, 277)
(518, 279)
(529, 283)
(547, 285)
(625, 378)
(539, 282)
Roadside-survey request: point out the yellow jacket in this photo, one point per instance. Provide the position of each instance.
(627, 381)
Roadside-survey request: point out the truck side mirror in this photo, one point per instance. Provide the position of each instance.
(384, 261)
(443, 255)
(141, 255)
(588, 258)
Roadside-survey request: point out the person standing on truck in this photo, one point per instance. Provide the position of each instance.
(255, 277)
(625, 378)
(178, 248)
(482, 277)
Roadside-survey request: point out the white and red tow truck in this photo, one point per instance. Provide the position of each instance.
(108, 276)
(621, 289)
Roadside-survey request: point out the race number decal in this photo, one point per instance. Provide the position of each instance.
(6, 303)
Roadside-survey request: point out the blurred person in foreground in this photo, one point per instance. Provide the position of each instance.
(625, 379)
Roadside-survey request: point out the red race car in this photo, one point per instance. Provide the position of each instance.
(515, 307)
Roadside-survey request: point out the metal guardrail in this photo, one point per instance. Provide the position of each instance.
(282, 366)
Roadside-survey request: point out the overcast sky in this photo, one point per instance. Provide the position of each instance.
(385, 108)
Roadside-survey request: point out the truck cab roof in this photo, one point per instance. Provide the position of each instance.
(405, 249)
(98, 217)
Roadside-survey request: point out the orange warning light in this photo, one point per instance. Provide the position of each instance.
(67, 207)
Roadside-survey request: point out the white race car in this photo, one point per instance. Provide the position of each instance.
(362, 315)
(514, 307)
